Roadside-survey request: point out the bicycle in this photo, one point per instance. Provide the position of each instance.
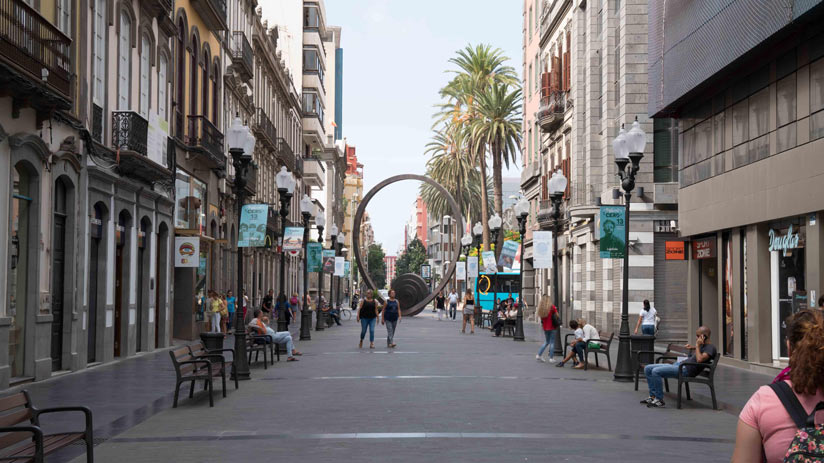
(345, 314)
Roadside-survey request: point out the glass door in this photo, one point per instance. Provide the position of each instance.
(21, 205)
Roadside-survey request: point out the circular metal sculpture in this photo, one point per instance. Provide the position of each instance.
(411, 291)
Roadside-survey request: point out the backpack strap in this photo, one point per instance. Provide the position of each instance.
(791, 403)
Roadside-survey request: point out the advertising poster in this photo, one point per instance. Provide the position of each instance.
(328, 261)
(314, 258)
(612, 232)
(508, 252)
(426, 272)
(187, 251)
(346, 268)
(489, 261)
(339, 266)
(472, 266)
(542, 249)
(460, 271)
(253, 225)
(293, 239)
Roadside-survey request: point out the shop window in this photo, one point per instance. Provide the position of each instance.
(740, 121)
(190, 204)
(817, 99)
(743, 294)
(729, 326)
(788, 275)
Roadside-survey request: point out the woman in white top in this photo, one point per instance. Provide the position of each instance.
(646, 320)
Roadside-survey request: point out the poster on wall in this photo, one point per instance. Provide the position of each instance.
(508, 252)
(187, 251)
(489, 261)
(314, 253)
(542, 249)
(460, 271)
(472, 266)
(611, 232)
(328, 261)
(339, 266)
(253, 225)
(293, 239)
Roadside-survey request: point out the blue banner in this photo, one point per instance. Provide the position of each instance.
(253, 225)
(314, 253)
(612, 232)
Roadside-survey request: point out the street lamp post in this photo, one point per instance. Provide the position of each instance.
(522, 211)
(306, 209)
(342, 250)
(320, 222)
(629, 150)
(241, 145)
(478, 233)
(334, 236)
(557, 186)
(286, 186)
(495, 223)
(466, 245)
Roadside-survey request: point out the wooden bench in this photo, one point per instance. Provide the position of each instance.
(648, 357)
(22, 439)
(219, 363)
(706, 373)
(191, 370)
(257, 343)
(603, 349)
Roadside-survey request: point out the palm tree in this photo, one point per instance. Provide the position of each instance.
(468, 196)
(498, 127)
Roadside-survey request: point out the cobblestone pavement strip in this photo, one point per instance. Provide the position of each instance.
(441, 395)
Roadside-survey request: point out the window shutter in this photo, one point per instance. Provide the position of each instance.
(565, 170)
(123, 63)
(567, 76)
(99, 68)
(161, 88)
(144, 76)
(544, 194)
(546, 84)
(556, 73)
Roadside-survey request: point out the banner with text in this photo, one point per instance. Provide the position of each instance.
(315, 257)
(339, 266)
(293, 239)
(460, 271)
(253, 225)
(612, 232)
(328, 261)
(472, 266)
(508, 252)
(488, 258)
(542, 249)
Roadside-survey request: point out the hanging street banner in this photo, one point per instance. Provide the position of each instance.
(508, 252)
(489, 261)
(293, 239)
(187, 251)
(339, 266)
(426, 272)
(328, 261)
(542, 249)
(346, 268)
(460, 271)
(472, 266)
(314, 256)
(612, 232)
(253, 226)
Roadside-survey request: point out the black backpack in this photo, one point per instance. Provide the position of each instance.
(808, 442)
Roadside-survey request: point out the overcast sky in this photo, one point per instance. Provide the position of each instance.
(395, 58)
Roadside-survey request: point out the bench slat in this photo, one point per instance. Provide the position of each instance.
(14, 401)
(12, 438)
(16, 418)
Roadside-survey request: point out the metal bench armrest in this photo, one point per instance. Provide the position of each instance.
(87, 413)
(665, 357)
(682, 365)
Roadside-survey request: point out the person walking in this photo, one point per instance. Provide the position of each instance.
(775, 423)
(368, 316)
(440, 301)
(245, 303)
(468, 312)
(224, 313)
(548, 314)
(231, 302)
(391, 316)
(296, 307)
(283, 311)
(646, 320)
(453, 303)
(214, 311)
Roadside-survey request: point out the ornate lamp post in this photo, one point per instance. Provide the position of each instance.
(557, 187)
(629, 150)
(307, 208)
(241, 145)
(343, 251)
(320, 222)
(495, 223)
(338, 247)
(466, 245)
(286, 186)
(334, 235)
(478, 233)
(521, 212)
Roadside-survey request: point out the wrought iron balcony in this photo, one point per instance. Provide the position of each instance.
(212, 12)
(130, 132)
(159, 7)
(242, 58)
(551, 111)
(265, 130)
(34, 51)
(204, 136)
(285, 154)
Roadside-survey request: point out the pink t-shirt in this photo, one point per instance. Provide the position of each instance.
(765, 412)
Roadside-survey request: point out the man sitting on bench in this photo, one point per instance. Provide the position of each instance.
(259, 326)
(656, 372)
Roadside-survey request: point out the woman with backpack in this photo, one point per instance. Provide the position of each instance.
(785, 420)
(548, 314)
(391, 316)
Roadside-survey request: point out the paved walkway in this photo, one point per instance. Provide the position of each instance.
(439, 394)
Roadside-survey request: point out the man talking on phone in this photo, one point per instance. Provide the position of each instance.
(704, 351)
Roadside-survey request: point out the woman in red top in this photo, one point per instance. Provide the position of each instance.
(546, 310)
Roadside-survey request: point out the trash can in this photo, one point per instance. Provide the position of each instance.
(639, 342)
(212, 341)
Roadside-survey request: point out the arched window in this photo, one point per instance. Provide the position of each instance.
(204, 92)
(181, 69)
(124, 61)
(193, 78)
(145, 91)
(162, 70)
(215, 100)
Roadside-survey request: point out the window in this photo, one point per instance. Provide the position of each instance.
(817, 99)
(181, 73)
(193, 78)
(204, 91)
(64, 16)
(530, 22)
(312, 106)
(162, 70)
(145, 50)
(311, 17)
(529, 79)
(215, 97)
(124, 62)
(665, 150)
(312, 63)
(189, 209)
(99, 65)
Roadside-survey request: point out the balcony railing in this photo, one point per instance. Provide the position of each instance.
(242, 58)
(204, 135)
(31, 43)
(97, 123)
(265, 130)
(212, 12)
(286, 155)
(551, 111)
(159, 7)
(130, 132)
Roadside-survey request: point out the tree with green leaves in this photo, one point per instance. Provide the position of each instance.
(410, 260)
(375, 265)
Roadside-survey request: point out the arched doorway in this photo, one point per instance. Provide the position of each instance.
(121, 281)
(142, 282)
(62, 244)
(161, 294)
(97, 282)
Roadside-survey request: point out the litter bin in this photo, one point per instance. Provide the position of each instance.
(639, 342)
(212, 341)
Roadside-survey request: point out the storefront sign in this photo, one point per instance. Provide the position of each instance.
(783, 243)
(314, 252)
(703, 248)
(612, 230)
(674, 250)
(187, 250)
(542, 249)
(293, 240)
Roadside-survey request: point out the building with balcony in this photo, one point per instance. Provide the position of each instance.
(749, 120)
(352, 192)
(589, 78)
